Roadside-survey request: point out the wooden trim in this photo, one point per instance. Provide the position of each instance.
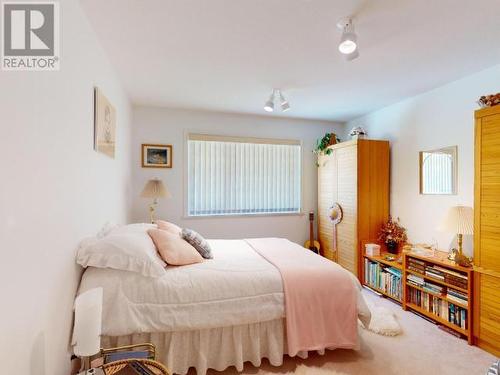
(224, 138)
(144, 145)
(488, 347)
(477, 192)
(486, 271)
(476, 303)
(486, 111)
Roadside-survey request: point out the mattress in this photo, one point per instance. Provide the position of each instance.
(237, 287)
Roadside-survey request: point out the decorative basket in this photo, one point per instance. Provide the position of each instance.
(155, 367)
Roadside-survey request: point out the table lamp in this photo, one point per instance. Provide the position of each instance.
(154, 189)
(87, 329)
(460, 221)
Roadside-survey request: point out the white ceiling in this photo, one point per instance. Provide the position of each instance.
(227, 55)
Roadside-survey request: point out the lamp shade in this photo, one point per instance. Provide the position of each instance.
(88, 318)
(460, 219)
(155, 189)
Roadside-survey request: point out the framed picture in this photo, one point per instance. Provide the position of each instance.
(156, 156)
(104, 124)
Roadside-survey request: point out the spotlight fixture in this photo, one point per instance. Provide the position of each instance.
(348, 45)
(285, 106)
(269, 106)
(275, 94)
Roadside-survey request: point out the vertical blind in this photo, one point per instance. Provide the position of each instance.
(437, 173)
(232, 176)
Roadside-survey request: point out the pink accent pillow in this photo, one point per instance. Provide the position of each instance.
(169, 227)
(173, 249)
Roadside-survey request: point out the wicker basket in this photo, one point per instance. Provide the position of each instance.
(114, 367)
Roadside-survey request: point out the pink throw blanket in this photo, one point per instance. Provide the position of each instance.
(320, 297)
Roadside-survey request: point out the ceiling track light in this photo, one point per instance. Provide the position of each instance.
(348, 45)
(276, 94)
(269, 106)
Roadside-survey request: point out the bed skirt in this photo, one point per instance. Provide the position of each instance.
(215, 348)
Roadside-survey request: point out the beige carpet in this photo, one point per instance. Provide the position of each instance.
(422, 349)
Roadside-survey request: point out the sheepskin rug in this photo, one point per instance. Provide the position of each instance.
(383, 321)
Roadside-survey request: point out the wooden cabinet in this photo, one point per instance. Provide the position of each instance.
(487, 230)
(356, 176)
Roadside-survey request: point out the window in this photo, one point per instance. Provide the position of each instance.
(235, 176)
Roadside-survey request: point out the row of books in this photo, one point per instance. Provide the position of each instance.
(452, 294)
(433, 288)
(385, 278)
(440, 273)
(416, 265)
(439, 307)
(458, 297)
(415, 280)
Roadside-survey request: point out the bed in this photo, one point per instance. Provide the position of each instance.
(219, 313)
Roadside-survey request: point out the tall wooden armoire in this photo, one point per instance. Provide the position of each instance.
(356, 176)
(486, 300)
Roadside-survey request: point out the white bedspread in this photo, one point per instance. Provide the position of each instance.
(237, 287)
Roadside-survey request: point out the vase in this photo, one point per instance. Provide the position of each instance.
(392, 247)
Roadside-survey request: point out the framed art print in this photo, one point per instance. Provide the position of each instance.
(104, 124)
(156, 156)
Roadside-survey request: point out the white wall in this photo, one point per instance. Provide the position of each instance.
(438, 118)
(54, 190)
(167, 126)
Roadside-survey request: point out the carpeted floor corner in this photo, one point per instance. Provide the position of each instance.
(421, 349)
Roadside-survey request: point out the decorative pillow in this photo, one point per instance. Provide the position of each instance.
(128, 249)
(173, 249)
(169, 227)
(198, 242)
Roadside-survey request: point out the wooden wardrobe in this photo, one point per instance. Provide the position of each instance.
(486, 301)
(356, 176)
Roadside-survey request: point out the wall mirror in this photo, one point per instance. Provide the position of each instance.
(438, 171)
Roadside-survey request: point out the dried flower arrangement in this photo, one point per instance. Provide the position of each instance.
(392, 234)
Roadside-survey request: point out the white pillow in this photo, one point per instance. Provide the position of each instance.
(127, 248)
(106, 229)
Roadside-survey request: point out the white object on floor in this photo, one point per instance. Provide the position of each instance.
(383, 321)
(304, 370)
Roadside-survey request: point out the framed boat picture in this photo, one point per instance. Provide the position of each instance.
(156, 156)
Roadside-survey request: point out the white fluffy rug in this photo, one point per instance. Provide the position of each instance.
(304, 370)
(383, 321)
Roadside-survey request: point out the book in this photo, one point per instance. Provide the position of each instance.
(435, 275)
(457, 300)
(450, 272)
(417, 261)
(458, 294)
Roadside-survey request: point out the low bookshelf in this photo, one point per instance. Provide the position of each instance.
(440, 290)
(383, 276)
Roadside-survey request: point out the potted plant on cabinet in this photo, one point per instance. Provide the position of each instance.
(322, 144)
